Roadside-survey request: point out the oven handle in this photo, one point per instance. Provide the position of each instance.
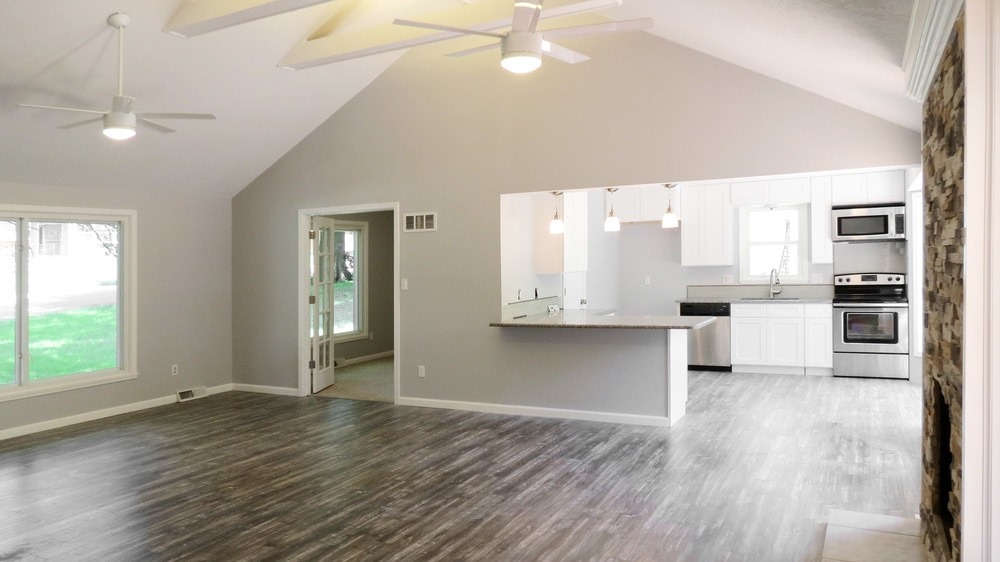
(871, 305)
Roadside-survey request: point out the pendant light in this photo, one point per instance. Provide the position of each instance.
(612, 224)
(670, 219)
(557, 226)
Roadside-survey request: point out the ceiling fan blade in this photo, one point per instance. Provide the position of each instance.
(563, 54)
(80, 123)
(202, 116)
(474, 50)
(154, 125)
(609, 27)
(437, 27)
(77, 109)
(526, 15)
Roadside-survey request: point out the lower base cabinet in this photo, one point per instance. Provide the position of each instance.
(782, 338)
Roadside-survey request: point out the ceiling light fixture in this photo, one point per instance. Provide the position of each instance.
(557, 226)
(612, 224)
(119, 125)
(521, 52)
(670, 219)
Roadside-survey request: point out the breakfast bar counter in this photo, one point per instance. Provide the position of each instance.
(675, 327)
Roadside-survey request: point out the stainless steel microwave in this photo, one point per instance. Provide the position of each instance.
(854, 223)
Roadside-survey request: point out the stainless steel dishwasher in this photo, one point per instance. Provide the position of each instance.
(708, 347)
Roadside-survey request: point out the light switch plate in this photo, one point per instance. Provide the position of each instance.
(727, 279)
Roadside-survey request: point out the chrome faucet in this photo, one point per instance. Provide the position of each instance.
(775, 288)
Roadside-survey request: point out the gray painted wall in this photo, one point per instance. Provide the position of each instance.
(451, 134)
(379, 287)
(184, 299)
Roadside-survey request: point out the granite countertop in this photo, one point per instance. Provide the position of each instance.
(778, 300)
(590, 319)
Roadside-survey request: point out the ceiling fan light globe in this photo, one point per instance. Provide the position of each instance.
(521, 52)
(119, 126)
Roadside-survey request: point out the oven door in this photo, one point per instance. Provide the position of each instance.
(870, 328)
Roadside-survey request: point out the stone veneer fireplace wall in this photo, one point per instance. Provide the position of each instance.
(943, 155)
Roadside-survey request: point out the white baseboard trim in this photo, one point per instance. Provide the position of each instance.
(364, 358)
(220, 389)
(769, 370)
(261, 389)
(85, 417)
(607, 417)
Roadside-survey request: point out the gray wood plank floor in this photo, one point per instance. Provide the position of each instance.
(749, 474)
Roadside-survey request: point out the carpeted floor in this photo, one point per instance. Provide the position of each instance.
(371, 380)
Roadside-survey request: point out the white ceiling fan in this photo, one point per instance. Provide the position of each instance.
(120, 122)
(522, 47)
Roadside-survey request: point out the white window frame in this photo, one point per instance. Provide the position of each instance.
(802, 243)
(360, 265)
(127, 298)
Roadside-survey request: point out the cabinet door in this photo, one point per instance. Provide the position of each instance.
(819, 342)
(692, 201)
(716, 225)
(789, 192)
(784, 342)
(747, 193)
(748, 341)
(820, 223)
(628, 204)
(546, 249)
(850, 189)
(886, 187)
(654, 202)
(575, 237)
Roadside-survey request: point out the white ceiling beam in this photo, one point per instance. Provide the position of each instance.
(481, 16)
(194, 17)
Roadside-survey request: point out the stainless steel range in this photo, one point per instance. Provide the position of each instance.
(870, 326)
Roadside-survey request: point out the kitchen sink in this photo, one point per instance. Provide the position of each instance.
(765, 299)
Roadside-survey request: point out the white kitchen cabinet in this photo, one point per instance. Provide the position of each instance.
(872, 188)
(792, 191)
(645, 203)
(786, 338)
(820, 223)
(706, 225)
(748, 337)
(818, 337)
(559, 253)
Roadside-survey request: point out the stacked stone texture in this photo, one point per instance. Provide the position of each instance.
(944, 151)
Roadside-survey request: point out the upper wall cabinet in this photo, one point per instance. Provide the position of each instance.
(774, 192)
(871, 188)
(706, 225)
(645, 203)
(821, 237)
(561, 253)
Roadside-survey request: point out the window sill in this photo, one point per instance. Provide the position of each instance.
(52, 387)
(349, 338)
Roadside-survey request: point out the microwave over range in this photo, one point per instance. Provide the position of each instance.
(857, 223)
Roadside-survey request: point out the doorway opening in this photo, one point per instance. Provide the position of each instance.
(349, 302)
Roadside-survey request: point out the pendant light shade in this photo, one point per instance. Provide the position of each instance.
(612, 224)
(557, 226)
(670, 219)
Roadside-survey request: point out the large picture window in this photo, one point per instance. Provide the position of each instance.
(774, 237)
(65, 300)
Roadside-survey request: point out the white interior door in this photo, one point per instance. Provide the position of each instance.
(321, 304)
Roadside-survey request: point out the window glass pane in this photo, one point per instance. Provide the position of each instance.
(72, 298)
(345, 290)
(772, 225)
(764, 257)
(8, 300)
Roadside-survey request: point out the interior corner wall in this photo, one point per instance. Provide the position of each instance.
(451, 134)
(380, 288)
(944, 294)
(184, 298)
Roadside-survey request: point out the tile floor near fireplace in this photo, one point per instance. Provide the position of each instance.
(860, 537)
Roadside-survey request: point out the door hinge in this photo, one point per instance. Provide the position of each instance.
(312, 364)
(312, 234)
(312, 299)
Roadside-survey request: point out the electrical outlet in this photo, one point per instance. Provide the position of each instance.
(727, 279)
(371, 335)
(173, 370)
(421, 372)
(404, 285)
(646, 281)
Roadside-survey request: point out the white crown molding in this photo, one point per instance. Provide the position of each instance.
(930, 27)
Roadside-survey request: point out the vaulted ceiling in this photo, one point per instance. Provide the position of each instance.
(59, 53)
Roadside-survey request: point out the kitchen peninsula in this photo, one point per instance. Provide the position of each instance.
(675, 344)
